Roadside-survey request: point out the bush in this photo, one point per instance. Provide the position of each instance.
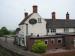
(39, 46)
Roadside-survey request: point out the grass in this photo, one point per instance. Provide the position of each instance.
(5, 52)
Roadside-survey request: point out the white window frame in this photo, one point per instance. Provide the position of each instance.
(66, 30)
(53, 30)
(39, 20)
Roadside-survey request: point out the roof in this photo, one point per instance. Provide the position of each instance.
(57, 23)
(66, 34)
(22, 22)
(49, 36)
(58, 35)
(60, 23)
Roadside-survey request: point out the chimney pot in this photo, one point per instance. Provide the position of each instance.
(67, 15)
(53, 15)
(26, 14)
(35, 9)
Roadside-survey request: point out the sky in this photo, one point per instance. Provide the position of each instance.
(12, 11)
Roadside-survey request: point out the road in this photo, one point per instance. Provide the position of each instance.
(8, 44)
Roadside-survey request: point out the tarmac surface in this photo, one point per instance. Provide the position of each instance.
(8, 44)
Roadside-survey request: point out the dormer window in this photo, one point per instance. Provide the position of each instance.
(39, 20)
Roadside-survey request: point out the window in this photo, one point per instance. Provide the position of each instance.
(52, 41)
(66, 30)
(59, 41)
(39, 20)
(23, 40)
(53, 30)
(46, 41)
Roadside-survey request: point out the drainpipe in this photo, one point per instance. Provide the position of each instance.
(26, 29)
(25, 40)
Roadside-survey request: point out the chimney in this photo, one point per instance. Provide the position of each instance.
(67, 16)
(35, 9)
(26, 14)
(53, 16)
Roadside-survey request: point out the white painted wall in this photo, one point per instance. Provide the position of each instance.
(38, 28)
(60, 30)
(22, 31)
(71, 30)
(51, 33)
(22, 34)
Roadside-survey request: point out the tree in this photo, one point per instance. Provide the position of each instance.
(39, 46)
(1, 33)
(12, 32)
(4, 31)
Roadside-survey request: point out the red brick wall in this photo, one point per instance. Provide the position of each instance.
(54, 45)
(31, 41)
(70, 41)
(70, 38)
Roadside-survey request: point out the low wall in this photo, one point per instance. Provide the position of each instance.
(70, 53)
(54, 45)
(67, 41)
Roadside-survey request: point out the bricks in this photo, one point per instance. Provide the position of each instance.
(66, 41)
